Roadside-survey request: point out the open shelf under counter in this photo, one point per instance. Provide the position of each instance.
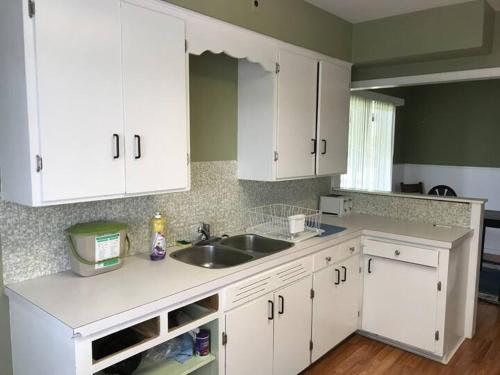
(172, 367)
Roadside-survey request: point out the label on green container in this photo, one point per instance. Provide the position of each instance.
(107, 263)
(107, 247)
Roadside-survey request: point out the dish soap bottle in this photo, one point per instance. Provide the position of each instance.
(158, 241)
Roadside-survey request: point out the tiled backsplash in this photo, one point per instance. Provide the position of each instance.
(412, 209)
(34, 244)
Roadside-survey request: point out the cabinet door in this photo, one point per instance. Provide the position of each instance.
(79, 79)
(336, 304)
(296, 131)
(292, 328)
(333, 118)
(154, 88)
(249, 329)
(399, 301)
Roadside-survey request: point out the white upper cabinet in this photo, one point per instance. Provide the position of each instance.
(100, 109)
(293, 123)
(155, 100)
(296, 129)
(333, 118)
(80, 110)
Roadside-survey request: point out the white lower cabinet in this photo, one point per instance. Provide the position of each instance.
(400, 301)
(271, 334)
(336, 304)
(249, 347)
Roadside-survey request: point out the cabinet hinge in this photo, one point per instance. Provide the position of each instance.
(276, 155)
(359, 269)
(224, 338)
(439, 286)
(311, 345)
(436, 336)
(359, 314)
(312, 293)
(277, 70)
(185, 45)
(31, 8)
(39, 163)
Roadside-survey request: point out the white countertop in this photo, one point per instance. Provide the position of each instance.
(84, 304)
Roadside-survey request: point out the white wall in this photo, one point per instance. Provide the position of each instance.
(471, 182)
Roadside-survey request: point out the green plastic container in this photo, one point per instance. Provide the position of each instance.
(97, 247)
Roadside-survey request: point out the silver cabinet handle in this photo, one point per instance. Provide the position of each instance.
(397, 252)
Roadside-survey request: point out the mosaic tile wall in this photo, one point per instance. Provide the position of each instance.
(33, 242)
(422, 210)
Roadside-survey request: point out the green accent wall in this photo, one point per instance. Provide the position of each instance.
(438, 64)
(458, 30)
(213, 92)
(293, 21)
(449, 124)
(5, 356)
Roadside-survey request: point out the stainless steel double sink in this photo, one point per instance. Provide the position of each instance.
(230, 251)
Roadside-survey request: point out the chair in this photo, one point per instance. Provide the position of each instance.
(412, 188)
(442, 190)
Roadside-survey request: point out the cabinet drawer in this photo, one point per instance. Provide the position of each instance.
(405, 253)
(336, 253)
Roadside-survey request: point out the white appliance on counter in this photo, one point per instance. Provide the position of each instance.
(335, 204)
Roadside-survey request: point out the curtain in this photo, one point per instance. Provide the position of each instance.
(371, 145)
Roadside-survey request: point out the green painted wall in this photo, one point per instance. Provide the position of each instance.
(213, 86)
(457, 30)
(449, 124)
(5, 358)
(293, 21)
(440, 64)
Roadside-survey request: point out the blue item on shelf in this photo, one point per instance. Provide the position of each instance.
(330, 229)
(186, 350)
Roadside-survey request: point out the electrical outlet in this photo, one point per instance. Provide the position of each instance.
(256, 5)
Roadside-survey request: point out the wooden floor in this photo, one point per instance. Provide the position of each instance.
(359, 355)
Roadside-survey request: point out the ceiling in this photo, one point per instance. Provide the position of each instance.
(364, 10)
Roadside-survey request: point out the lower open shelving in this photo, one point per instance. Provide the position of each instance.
(172, 367)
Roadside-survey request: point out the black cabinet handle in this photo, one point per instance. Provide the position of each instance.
(337, 274)
(314, 146)
(116, 137)
(370, 265)
(138, 146)
(324, 147)
(271, 306)
(281, 305)
(345, 274)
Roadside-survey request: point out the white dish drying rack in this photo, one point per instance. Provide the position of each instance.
(284, 222)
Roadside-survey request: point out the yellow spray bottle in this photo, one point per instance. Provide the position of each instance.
(158, 240)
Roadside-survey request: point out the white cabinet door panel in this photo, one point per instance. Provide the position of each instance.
(154, 79)
(399, 301)
(79, 78)
(296, 115)
(249, 348)
(292, 328)
(335, 305)
(333, 118)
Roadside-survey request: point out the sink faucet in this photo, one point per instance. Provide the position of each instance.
(204, 231)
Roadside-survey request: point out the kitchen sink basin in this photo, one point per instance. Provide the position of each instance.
(212, 256)
(256, 243)
(229, 251)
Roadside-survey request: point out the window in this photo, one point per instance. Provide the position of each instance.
(371, 145)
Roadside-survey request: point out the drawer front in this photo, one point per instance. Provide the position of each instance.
(405, 253)
(336, 253)
(256, 286)
(346, 249)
